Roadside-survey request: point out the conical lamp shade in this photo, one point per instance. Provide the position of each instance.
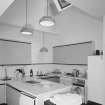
(47, 21)
(43, 49)
(27, 30)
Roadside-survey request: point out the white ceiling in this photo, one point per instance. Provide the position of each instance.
(4, 4)
(95, 8)
(15, 14)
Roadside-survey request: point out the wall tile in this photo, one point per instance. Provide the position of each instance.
(44, 68)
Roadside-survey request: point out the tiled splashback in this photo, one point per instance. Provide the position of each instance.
(2, 72)
(44, 68)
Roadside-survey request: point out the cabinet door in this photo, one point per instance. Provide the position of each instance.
(2, 93)
(96, 78)
(13, 96)
(26, 100)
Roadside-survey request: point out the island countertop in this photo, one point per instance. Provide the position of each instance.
(43, 88)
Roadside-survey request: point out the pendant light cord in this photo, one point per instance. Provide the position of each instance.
(26, 12)
(43, 39)
(47, 7)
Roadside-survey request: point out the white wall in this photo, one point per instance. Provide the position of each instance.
(72, 26)
(104, 36)
(104, 53)
(75, 26)
(10, 32)
(49, 41)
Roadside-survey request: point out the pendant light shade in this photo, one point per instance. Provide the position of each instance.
(47, 21)
(43, 49)
(27, 29)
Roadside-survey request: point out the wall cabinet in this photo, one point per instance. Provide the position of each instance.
(14, 52)
(2, 93)
(73, 53)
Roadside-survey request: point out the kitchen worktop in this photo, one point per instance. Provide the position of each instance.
(44, 88)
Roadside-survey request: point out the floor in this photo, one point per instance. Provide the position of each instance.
(3, 104)
(91, 103)
(88, 103)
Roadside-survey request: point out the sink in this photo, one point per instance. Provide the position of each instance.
(32, 81)
(51, 78)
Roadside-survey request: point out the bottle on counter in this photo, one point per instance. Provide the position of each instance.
(31, 73)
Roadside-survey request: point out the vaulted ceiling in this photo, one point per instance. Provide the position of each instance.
(95, 8)
(15, 14)
(4, 4)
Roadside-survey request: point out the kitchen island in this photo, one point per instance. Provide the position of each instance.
(21, 92)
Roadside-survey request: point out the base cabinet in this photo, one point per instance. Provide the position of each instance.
(2, 93)
(26, 100)
(12, 96)
(15, 97)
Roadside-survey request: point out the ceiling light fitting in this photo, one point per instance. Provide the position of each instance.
(43, 49)
(47, 21)
(27, 28)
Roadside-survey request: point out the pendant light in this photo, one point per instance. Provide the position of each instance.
(47, 21)
(27, 28)
(43, 49)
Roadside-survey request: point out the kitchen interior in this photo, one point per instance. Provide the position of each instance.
(52, 52)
